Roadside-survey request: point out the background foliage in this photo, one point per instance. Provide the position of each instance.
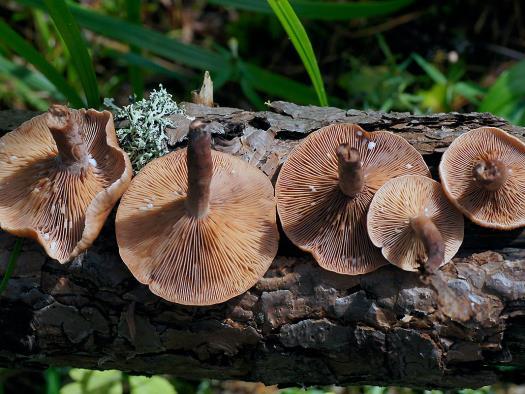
(403, 55)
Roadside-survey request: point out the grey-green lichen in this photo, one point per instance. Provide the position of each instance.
(143, 136)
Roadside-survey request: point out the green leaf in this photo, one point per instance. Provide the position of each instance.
(507, 95)
(33, 79)
(16, 43)
(189, 55)
(135, 74)
(153, 385)
(277, 85)
(323, 10)
(297, 34)
(52, 381)
(434, 74)
(80, 59)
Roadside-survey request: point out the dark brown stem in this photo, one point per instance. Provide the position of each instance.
(490, 174)
(429, 234)
(65, 131)
(351, 177)
(200, 169)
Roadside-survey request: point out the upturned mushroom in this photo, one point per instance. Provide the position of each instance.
(325, 187)
(414, 224)
(483, 175)
(198, 226)
(60, 175)
(418, 229)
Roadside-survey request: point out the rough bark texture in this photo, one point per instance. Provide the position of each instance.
(299, 324)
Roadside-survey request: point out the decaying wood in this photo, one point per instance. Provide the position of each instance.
(299, 324)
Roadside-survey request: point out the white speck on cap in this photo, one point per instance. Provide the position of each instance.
(359, 133)
(371, 145)
(93, 162)
(53, 246)
(312, 188)
(409, 166)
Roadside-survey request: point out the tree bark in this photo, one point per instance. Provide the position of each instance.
(299, 324)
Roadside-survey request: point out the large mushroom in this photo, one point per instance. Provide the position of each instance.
(326, 185)
(60, 174)
(483, 175)
(198, 226)
(414, 224)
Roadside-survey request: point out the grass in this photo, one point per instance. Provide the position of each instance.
(78, 52)
(297, 34)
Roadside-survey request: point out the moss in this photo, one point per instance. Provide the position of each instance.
(143, 136)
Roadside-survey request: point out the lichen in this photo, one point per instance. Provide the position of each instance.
(143, 136)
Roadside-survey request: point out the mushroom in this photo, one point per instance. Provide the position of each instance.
(483, 175)
(326, 185)
(198, 226)
(417, 228)
(60, 175)
(414, 224)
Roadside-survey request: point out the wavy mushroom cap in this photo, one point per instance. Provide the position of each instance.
(198, 261)
(401, 200)
(314, 212)
(57, 200)
(482, 155)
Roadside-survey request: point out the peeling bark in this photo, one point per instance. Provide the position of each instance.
(299, 324)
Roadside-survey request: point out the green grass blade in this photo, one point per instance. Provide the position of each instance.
(33, 79)
(323, 10)
(188, 55)
(295, 30)
(433, 73)
(135, 73)
(15, 42)
(80, 59)
(509, 88)
(11, 264)
(52, 376)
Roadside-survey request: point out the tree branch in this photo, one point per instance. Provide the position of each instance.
(299, 324)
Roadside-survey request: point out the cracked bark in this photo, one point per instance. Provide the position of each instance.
(299, 324)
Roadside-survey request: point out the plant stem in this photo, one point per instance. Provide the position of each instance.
(11, 264)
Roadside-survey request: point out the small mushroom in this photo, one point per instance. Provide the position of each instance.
(417, 228)
(483, 175)
(414, 224)
(326, 185)
(198, 226)
(60, 175)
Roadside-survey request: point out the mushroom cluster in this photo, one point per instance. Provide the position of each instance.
(199, 226)
(325, 187)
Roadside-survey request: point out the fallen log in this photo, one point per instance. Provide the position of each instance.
(299, 324)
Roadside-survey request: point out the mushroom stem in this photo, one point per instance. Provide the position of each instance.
(490, 174)
(432, 240)
(200, 167)
(351, 177)
(66, 133)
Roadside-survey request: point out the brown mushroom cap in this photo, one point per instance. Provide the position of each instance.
(317, 216)
(483, 175)
(396, 205)
(61, 200)
(200, 259)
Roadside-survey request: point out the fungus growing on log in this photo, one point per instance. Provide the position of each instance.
(414, 224)
(61, 173)
(198, 226)
(325, 187)
(417, 228)
(483, 175)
